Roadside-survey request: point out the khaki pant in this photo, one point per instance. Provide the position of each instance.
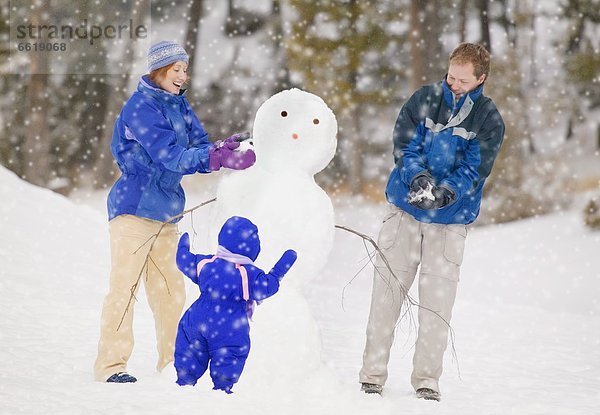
(406, 243)
(130, 244)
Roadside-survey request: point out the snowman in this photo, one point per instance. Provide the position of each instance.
(294, 137)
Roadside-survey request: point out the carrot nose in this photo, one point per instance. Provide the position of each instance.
(295, 136)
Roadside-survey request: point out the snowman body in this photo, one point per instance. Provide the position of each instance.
(294, 137)
(285, 219)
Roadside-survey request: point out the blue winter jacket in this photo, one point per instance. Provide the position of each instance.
(456, 143)
(156, 140)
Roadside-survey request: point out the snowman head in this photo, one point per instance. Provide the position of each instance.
(294, 131)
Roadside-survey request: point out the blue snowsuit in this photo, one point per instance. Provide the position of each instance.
(215, 328)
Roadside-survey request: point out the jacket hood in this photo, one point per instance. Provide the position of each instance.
(240, 236)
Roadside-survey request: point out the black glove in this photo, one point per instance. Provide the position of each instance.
(421, 182)
(424, 203)
(420, 195)
(443, 197)
(438, 198)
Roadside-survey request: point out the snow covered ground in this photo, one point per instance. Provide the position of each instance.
(526, 321)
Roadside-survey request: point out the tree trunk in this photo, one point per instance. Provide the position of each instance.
(37, 140)
(462, 22)
(569, 133)
(81, 166)
(532, 50)
(191, 47)
(282, 79)
(508, 23)
(417, 52)
(357, 150)
(105, 167)
(576, 35)
(529, 79)
(483, 6)
(432, 47)
(355, 174)
(191, 36)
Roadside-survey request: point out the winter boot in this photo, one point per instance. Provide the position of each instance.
(428, 394)
(121, 377)
(371, 388)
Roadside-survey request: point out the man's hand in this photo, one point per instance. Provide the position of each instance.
(443, 197)
(421, 182)
(435, 197)
(421, 189)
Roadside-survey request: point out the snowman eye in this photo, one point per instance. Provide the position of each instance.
(284, 113)
(316, 121)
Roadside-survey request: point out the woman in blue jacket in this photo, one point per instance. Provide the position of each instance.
(157, 139)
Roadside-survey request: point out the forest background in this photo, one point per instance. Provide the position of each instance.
(364, 58)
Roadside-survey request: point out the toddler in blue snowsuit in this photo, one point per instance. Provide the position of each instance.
(215, 328)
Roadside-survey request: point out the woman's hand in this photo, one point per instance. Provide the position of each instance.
(225, 154)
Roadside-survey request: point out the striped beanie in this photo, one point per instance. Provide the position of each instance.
(164, 53)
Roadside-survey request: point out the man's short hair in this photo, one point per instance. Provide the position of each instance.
(474, 54)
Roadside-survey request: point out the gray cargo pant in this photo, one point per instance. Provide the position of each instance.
(406, 243)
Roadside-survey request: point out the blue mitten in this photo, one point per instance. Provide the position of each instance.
(284, 264)
(186, 261)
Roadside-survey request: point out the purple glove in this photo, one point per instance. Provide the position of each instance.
(223, 154)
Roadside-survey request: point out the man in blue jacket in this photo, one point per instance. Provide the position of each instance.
(446, 139)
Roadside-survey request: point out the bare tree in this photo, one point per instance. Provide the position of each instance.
(105, 167)
(462, 22)
(526, 12)
(433, 46)
(425, 45)
(241, 21)
(282, 80)
(193, 29)
(483, 6)
(37, 140)
(356, 166)
(507, 21)
(417, 46)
